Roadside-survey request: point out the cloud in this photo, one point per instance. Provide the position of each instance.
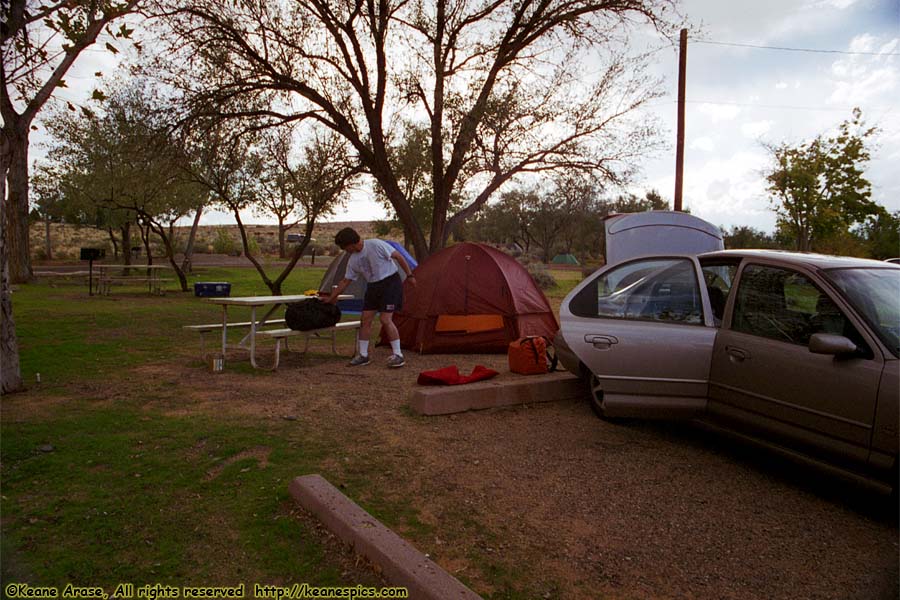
(859, 79)
(720, 112)
(757, 129)
(730, 190)
(704, 143)
(838, 4)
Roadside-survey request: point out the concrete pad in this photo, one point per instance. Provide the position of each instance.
(524, 389)
(401, 564)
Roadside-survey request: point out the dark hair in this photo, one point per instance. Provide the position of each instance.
(345, 237)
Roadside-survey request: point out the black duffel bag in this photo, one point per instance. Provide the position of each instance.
(311, 314)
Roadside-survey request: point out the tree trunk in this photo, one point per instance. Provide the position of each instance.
(48, 247)
(170, 251)
(115, 243)
(275, 288)
(187, 264)
(298, 253)
(126, 243)
(281, 236)
(10, 374)
(15, 169)
(145, 239)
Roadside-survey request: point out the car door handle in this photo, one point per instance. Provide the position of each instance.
(601, 342)
(737, 354)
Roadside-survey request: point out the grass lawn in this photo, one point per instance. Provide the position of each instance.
(103, 482)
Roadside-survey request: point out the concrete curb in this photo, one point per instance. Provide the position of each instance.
(445, 400)
(401, 564)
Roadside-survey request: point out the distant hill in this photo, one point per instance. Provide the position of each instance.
(67, 240)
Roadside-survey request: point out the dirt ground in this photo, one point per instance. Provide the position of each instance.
(574, 506)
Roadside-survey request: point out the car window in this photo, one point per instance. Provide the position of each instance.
(718, 278)
(651, 289)
(874, 293)
(785, 305)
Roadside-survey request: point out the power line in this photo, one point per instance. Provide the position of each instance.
(784, 48)
(786, 106)
(775, 106)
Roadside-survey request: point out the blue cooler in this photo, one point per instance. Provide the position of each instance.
(212, 289)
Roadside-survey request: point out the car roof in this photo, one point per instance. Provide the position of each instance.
(821, 261)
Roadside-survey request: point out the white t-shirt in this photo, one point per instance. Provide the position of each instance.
(373, 263)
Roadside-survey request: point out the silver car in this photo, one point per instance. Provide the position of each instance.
(797, 350)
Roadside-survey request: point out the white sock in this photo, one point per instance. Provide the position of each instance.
(363, 347)
(395, 347)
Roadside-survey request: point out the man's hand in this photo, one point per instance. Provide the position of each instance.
(412, 280)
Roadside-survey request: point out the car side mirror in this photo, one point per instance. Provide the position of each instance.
(829, 343)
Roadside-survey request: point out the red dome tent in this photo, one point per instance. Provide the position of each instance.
(471, 298)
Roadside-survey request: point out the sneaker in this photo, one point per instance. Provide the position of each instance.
(395, 361)
(359, 360)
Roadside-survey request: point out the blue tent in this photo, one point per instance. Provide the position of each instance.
(335, 273)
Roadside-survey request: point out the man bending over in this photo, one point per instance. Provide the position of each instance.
(373, 260)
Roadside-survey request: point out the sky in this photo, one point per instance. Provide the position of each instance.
(738, 98)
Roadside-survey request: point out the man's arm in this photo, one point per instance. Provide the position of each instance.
(404, 265)
(338, 290)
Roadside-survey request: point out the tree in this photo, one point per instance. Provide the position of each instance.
(40, 43)
(232, 165)
(410, 159)
(126, 161)
(578, 199)
(568, 216)
(48, 203)
(744, 236)
(499, 86)
(277, 197)
(818, 188)
(881, 233)
(630, 203)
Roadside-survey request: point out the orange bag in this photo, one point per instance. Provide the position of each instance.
(528, 356)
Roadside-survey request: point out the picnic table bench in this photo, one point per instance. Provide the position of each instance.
(80, 275)
(208, 327)
(151, 277)
(327, 333)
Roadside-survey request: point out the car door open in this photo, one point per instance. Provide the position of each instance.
(644, 330)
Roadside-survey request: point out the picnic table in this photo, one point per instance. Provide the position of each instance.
(107, 275)
(248, 342)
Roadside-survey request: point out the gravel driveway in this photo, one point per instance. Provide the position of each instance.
(547, 501)
(644, 510)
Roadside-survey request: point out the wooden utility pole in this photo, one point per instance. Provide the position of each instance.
(679, 144)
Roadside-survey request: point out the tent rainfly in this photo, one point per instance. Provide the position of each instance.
(338, 267)
(471, 298)
(565, 259)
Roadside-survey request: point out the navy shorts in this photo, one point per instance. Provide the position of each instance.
(385, 295)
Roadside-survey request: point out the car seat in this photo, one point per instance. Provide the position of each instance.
(828, 317)
(717, 302)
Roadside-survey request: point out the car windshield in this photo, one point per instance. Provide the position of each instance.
(874, 293)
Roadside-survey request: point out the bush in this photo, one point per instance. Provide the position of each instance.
(252, 246)
(541, 277)
(223, 244)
